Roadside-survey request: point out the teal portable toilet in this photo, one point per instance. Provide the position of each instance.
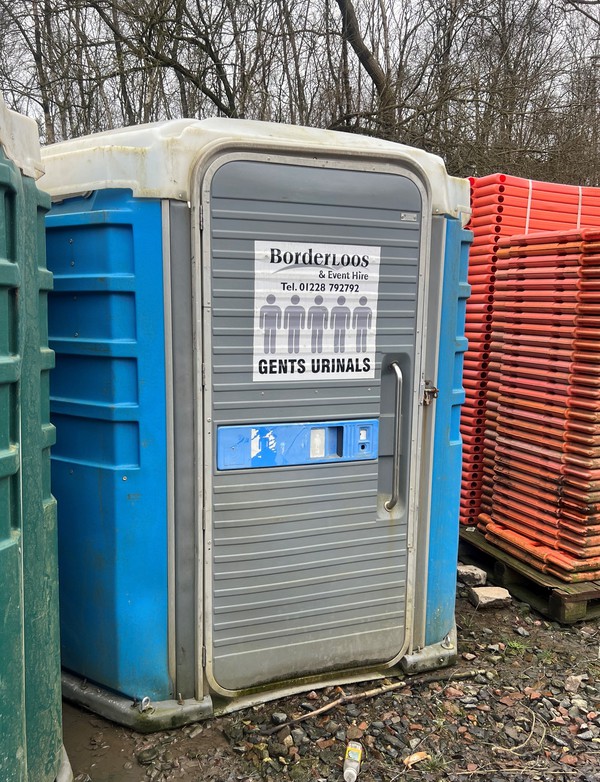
(258, 332)
(30, 696)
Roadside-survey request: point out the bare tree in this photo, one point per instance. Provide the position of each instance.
(379, 77)
(589, 8)
(497, 84)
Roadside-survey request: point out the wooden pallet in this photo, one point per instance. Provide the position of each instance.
(562, 602)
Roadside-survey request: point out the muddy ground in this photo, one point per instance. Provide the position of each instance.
(527, 709)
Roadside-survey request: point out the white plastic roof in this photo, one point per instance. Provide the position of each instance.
(19, 138)
(157, 160)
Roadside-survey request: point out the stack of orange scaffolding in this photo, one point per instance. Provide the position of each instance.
(502, 206)
(544, 403)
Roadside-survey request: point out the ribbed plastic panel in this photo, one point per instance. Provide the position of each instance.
(325, 578)
(443, 537)
(109, 464)
(30, 705)
(502, 206)
(544, 403)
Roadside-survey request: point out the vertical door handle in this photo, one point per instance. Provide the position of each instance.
(393, 500)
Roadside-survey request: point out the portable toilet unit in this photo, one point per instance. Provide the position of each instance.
(30, 697)
(258, 488)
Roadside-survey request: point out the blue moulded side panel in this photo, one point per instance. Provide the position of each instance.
(447, 454)
(109, 471)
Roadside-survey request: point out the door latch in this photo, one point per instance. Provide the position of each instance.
(430, 392)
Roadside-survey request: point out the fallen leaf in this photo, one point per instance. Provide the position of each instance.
(416, 757)
(570, 760)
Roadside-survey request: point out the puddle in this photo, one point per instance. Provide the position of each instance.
(107, 752)
(99, 748)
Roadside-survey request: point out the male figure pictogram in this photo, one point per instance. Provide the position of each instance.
(294, 317)
(362, 318)
(270, 321)
(339, 322)
(318, 316)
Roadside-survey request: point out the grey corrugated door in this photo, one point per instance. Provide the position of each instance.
(307, 571)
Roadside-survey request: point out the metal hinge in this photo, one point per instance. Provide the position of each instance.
(204, 656)
(201, 217)
(203, 375)
(430, 392)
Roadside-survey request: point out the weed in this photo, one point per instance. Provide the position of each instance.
(516, 647)
(434, 763)
(546, 657)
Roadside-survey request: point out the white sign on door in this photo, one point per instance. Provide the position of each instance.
(315, 311)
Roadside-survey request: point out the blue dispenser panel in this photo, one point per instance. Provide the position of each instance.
(284, 445)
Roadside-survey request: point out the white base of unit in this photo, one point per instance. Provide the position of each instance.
(147, 717)
(144, 717)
